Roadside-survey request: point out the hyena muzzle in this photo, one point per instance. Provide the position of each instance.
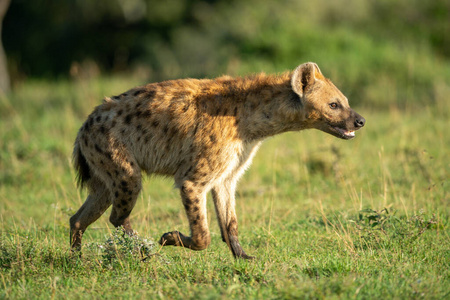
(203, 133)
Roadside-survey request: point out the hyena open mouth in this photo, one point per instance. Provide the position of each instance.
(346, 134)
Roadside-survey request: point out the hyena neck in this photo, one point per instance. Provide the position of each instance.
(270, 107)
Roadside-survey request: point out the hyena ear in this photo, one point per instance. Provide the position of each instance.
(305, 75)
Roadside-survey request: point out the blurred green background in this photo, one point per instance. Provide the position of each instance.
(380, 53)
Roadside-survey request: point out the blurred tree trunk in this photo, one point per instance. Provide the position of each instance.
(4, 76)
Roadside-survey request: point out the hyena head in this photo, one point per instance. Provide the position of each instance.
(325, 107)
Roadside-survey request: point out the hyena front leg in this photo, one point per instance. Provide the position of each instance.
(224, 202)
(194, 201)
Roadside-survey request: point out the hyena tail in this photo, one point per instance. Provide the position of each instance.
(81, 166)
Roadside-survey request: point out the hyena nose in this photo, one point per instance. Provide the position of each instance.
(360, 121)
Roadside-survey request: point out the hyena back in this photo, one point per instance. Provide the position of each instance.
(204, 133)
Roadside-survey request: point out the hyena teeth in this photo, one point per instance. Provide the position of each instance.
(345, 132)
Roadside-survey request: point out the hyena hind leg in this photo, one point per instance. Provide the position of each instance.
(95, 205)
(124, 200)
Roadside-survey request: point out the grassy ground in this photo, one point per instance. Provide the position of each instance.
(325, 218)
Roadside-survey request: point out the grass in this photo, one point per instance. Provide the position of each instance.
(325, 218)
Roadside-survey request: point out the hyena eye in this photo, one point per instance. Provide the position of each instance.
(333, 105)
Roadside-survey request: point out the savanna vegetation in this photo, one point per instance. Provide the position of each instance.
(325, 218)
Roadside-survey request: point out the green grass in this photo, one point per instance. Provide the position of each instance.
(325, 218)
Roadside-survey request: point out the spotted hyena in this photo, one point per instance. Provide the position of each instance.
(204, 133)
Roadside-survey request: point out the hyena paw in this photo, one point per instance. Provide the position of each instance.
(245, 256)
(173, 238)
(237, 250)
